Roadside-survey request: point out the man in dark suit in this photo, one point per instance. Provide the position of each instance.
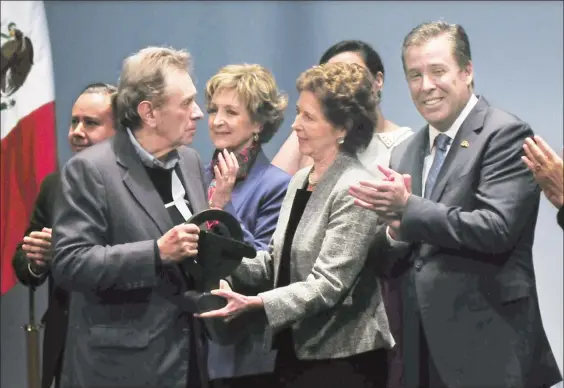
(91, 122)
(120, 236)
(462, 207)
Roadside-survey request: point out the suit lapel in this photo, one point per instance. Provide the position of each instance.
(192, 181)
(324, 187)
(138, 182)
(413, 159)
(461, 147)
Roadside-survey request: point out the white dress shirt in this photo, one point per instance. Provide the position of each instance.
(433, 133)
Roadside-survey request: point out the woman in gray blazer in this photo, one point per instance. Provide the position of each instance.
(318, 295)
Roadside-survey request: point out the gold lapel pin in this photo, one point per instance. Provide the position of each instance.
(465, 143)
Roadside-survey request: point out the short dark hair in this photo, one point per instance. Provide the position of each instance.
(368, 54)
(429, 30)
(99, 87)
(345, 92)
(102, 88)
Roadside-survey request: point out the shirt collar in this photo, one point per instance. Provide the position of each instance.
(451, 132)
(149, 160)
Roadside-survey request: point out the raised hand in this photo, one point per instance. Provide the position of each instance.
(387, 197)
(37, 247)
(547, 168)
(225, 177)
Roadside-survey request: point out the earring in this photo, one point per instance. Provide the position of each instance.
(255, 137)
(341, 140)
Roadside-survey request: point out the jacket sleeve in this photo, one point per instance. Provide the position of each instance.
(40, 219)
(254, 274)
(505, 200)
(266, 216)
(343, 254)
(84, 257)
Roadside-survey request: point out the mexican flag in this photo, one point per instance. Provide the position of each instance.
(29, 143)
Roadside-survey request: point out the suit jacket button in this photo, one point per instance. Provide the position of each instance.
(418, 264)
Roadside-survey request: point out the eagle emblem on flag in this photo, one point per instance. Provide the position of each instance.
(17, 61)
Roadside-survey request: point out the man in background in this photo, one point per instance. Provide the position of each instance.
(91, 122)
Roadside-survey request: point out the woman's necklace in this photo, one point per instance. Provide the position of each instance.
(312, 182)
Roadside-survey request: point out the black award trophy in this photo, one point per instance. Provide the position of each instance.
(220, 251)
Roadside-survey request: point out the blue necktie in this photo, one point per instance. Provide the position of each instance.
(441, 143)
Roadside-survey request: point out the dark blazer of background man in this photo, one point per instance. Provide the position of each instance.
(119, 234)
(471, 312)
(91, 122)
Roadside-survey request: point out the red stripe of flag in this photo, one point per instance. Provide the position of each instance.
(29, 153)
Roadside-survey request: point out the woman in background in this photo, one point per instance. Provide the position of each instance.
(386, 133)
(245, 110)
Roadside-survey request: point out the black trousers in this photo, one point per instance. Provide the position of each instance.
(251, 381)
(365, 370)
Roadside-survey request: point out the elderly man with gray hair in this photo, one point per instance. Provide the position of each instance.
(120, 230)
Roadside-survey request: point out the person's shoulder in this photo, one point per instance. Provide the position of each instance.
(404, 132)
(51, 179)
(501, 117)
(504, 128)
(49, 185)
(354, 173)
(188, 152)
(404, 139)
(496, 118)
(276, 174)
(97, 155)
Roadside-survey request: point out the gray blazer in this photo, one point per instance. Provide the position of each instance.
(334, 302)
(470, 264)
(125, 327)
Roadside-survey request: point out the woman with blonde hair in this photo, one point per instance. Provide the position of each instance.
(245, 110)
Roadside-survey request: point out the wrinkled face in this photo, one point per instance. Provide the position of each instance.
(91, 120)
(439, 88)
(354, 57)
(317, 137)
(175, 120)
(229, 121)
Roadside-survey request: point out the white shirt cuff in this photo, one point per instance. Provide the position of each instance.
(392, 242)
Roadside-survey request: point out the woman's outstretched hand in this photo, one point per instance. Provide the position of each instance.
(237, 304)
